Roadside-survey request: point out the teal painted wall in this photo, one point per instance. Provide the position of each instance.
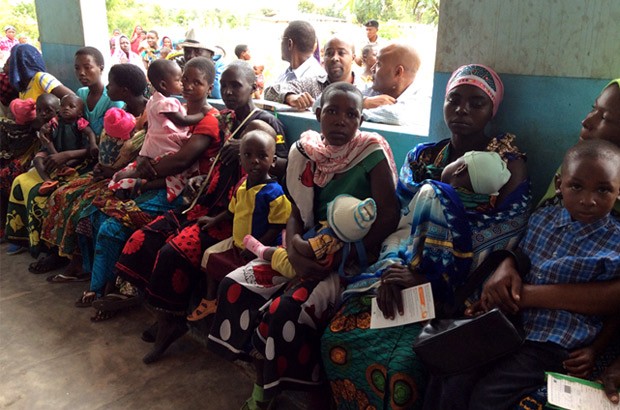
(400, 141)
(64, 27)
(554, 57)
(558, 38)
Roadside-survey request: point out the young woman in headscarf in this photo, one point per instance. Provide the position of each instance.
(378, 367)
(123, 54)
(27, 75)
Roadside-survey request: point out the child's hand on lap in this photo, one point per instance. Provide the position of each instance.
(580, 362)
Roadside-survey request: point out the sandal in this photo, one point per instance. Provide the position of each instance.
(101, 316)
(48, 187)
(205, 308)
(64, 278)
(65, 171)
(86, 300)
(116, 301)
(47, 264)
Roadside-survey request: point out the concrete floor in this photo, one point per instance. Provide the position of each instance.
(53, 357)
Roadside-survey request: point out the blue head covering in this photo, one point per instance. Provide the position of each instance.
(25, 62)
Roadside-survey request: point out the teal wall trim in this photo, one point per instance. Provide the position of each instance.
(59, 62)
(399, 139)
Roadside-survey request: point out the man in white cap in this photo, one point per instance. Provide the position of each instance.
(194, 48)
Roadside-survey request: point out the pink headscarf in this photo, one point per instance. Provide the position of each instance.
(479, 76)
(118, 123)
(24, 111)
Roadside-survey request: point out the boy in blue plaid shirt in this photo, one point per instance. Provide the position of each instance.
(576, 243)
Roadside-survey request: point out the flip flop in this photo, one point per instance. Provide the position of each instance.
(62, 278)
(205, 308)
(65, 171)
(48, 187)
(116, 301)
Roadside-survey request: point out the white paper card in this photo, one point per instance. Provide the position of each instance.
(417, 306)
(572, 393)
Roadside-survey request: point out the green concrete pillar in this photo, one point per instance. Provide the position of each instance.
(67, 25)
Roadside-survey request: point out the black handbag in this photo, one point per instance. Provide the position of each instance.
(451, 346)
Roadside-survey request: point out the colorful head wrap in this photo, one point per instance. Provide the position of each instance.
(479, 76)
(118, 123)
(24, 63)
(24, 111)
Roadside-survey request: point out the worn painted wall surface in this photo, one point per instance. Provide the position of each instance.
(563, 38)
(554, 57)
(64, 27)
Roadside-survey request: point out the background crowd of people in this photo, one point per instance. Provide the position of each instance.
(162, 203)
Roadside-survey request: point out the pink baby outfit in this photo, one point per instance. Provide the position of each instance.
(163, 137)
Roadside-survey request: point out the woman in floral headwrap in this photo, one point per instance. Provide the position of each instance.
(27, 75)
(377, 368)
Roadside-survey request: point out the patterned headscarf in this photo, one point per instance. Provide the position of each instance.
(479, 76)
(25, 62)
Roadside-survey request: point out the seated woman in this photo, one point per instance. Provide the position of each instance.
(378, 367)
(505, 289)
(109, 221)
(126, 83)
(164, 257)
(275, 321)
(89, 65)
(26, 208)
(27, 75)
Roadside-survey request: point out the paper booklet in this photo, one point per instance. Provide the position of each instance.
(573, 393)
(417, 306)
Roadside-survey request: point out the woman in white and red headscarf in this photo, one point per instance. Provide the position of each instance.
(123, 54)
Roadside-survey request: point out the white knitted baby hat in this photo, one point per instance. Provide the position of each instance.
(487, 171)
(351, 218)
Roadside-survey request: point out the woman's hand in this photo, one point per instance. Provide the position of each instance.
(475, 309)
(304, 267)
(230, 151)
(503, 288)
(101, 172)
(144, 169)
(580, 362)
(53, 161)
(205, 222)
(396, 278)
